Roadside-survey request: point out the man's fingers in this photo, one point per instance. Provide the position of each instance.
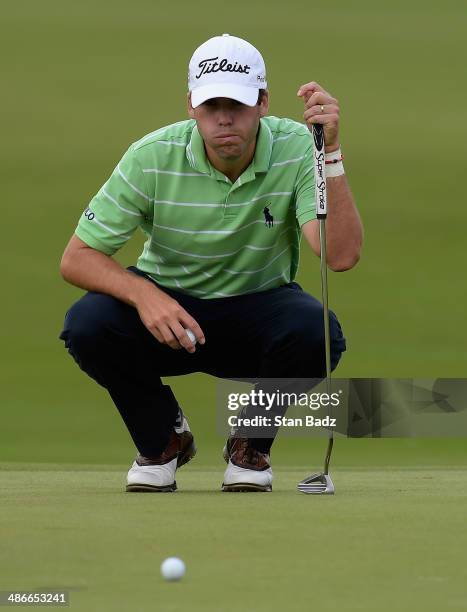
(331, 114)
(309, 88)
(171, 324)
(323, 119)
(322, 109)
(319, 98)
(168, 337)
(189, 323)
(156, 333)
(183, 338)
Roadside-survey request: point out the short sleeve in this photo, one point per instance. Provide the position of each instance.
(118, 208)
(305, 204)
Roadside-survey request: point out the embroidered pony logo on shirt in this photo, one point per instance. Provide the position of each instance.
(268, 218)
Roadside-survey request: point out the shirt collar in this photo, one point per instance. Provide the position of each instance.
(198, 160)
(262, 158)
(196, 153)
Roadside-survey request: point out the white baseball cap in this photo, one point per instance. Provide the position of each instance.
(226, 67)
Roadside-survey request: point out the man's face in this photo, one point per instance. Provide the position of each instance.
(228, 127)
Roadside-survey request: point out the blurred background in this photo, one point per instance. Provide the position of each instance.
(81, 81)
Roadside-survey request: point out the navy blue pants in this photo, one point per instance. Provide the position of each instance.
(269, 334)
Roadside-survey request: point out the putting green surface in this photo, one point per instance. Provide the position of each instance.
(390, 539)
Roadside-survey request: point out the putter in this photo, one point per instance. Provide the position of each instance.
(321, 482)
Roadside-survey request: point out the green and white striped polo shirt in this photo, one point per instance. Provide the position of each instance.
(204, 235)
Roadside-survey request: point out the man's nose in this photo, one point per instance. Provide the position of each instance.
(224, 117)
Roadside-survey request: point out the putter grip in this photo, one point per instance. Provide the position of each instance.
(320, 172)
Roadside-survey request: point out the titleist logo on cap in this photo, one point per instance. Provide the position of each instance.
(212, 65)
(226, 67)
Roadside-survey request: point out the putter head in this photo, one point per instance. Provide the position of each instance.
(317, 484)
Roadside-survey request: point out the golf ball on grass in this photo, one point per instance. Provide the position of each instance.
(173, 569)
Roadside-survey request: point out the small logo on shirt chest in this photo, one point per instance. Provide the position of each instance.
(268, 218)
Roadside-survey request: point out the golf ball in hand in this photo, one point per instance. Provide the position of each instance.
(191, 335)
(173, 568)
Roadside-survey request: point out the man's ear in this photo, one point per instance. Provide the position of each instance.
(264, 105)
(191, 110)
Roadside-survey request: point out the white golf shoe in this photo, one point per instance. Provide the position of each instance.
(157, 474)
(247, 468)
(152, 478)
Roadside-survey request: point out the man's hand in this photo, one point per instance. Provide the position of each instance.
(163, 316)
(166, 319)
(321, 107)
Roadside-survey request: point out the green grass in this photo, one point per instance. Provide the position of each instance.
(83, 80)
(389, 539)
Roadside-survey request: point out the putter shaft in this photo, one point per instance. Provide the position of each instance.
(321, 483)
(327, 337)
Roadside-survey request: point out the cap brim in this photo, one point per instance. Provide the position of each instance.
(245, 95)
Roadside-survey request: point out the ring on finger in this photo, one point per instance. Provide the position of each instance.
(322, 108)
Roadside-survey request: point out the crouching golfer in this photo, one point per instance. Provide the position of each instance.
(222, 199)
